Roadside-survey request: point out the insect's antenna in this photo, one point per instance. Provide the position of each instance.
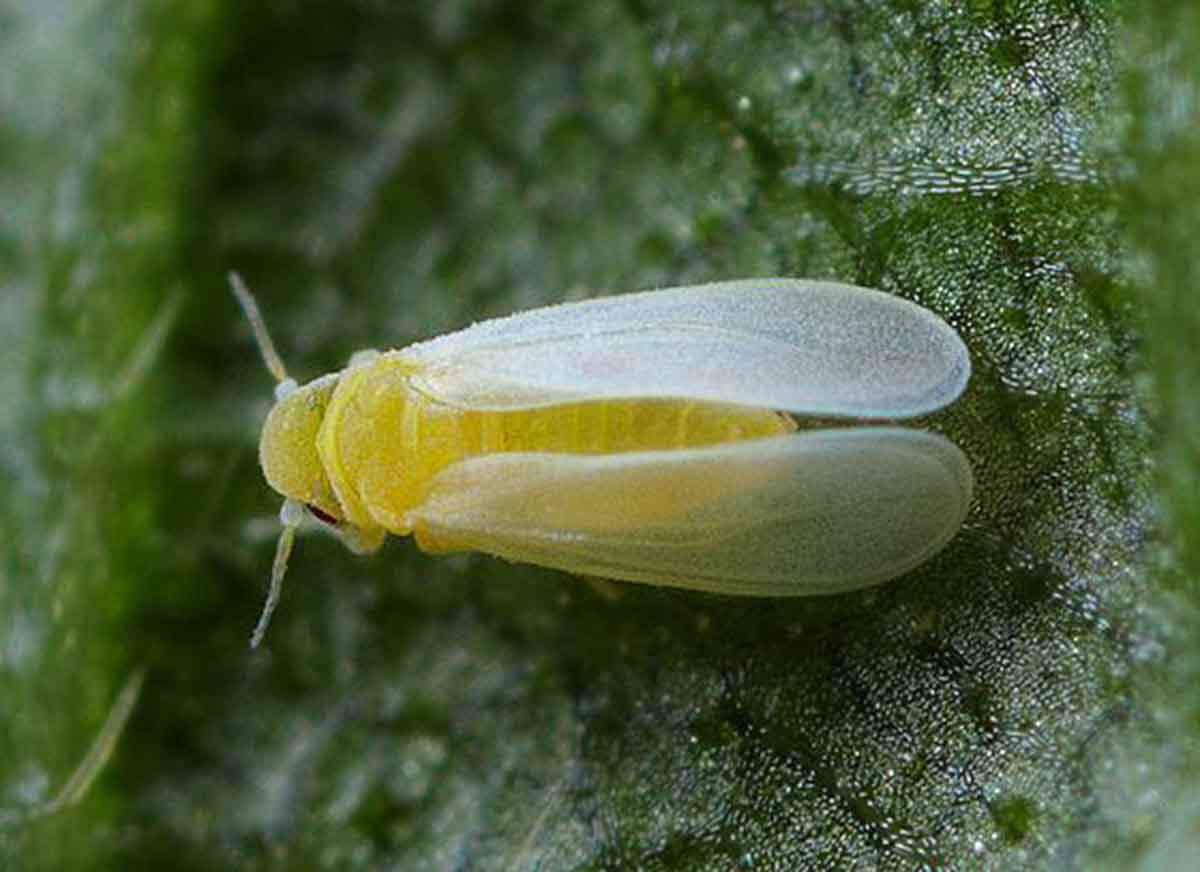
(263, 338)
(289, 515)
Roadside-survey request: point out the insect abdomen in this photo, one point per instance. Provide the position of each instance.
(391, 441)
(615, 426)
(436, 436)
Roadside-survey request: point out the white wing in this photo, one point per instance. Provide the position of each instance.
(812, 513)
(819, 348)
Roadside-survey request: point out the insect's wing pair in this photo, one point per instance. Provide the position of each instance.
(813, 512)
(809, 514)
(816, 348)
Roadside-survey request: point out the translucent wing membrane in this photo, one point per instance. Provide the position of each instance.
(817, 348)
(819, 512)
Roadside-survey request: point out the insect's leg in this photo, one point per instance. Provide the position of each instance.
(362, 540)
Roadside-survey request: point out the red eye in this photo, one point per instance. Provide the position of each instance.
(323, 517)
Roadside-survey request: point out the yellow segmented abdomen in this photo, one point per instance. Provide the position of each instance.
(614, 426)
(388, 441)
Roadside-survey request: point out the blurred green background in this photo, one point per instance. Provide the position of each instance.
(384, 172)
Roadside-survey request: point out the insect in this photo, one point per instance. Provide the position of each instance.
(733, 437)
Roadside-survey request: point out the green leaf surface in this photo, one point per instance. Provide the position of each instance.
(381, 173)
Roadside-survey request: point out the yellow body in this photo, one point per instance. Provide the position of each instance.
(380, 442)
(644, 437)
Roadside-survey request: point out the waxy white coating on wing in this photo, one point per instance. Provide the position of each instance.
(812, 513)
(815, 348)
